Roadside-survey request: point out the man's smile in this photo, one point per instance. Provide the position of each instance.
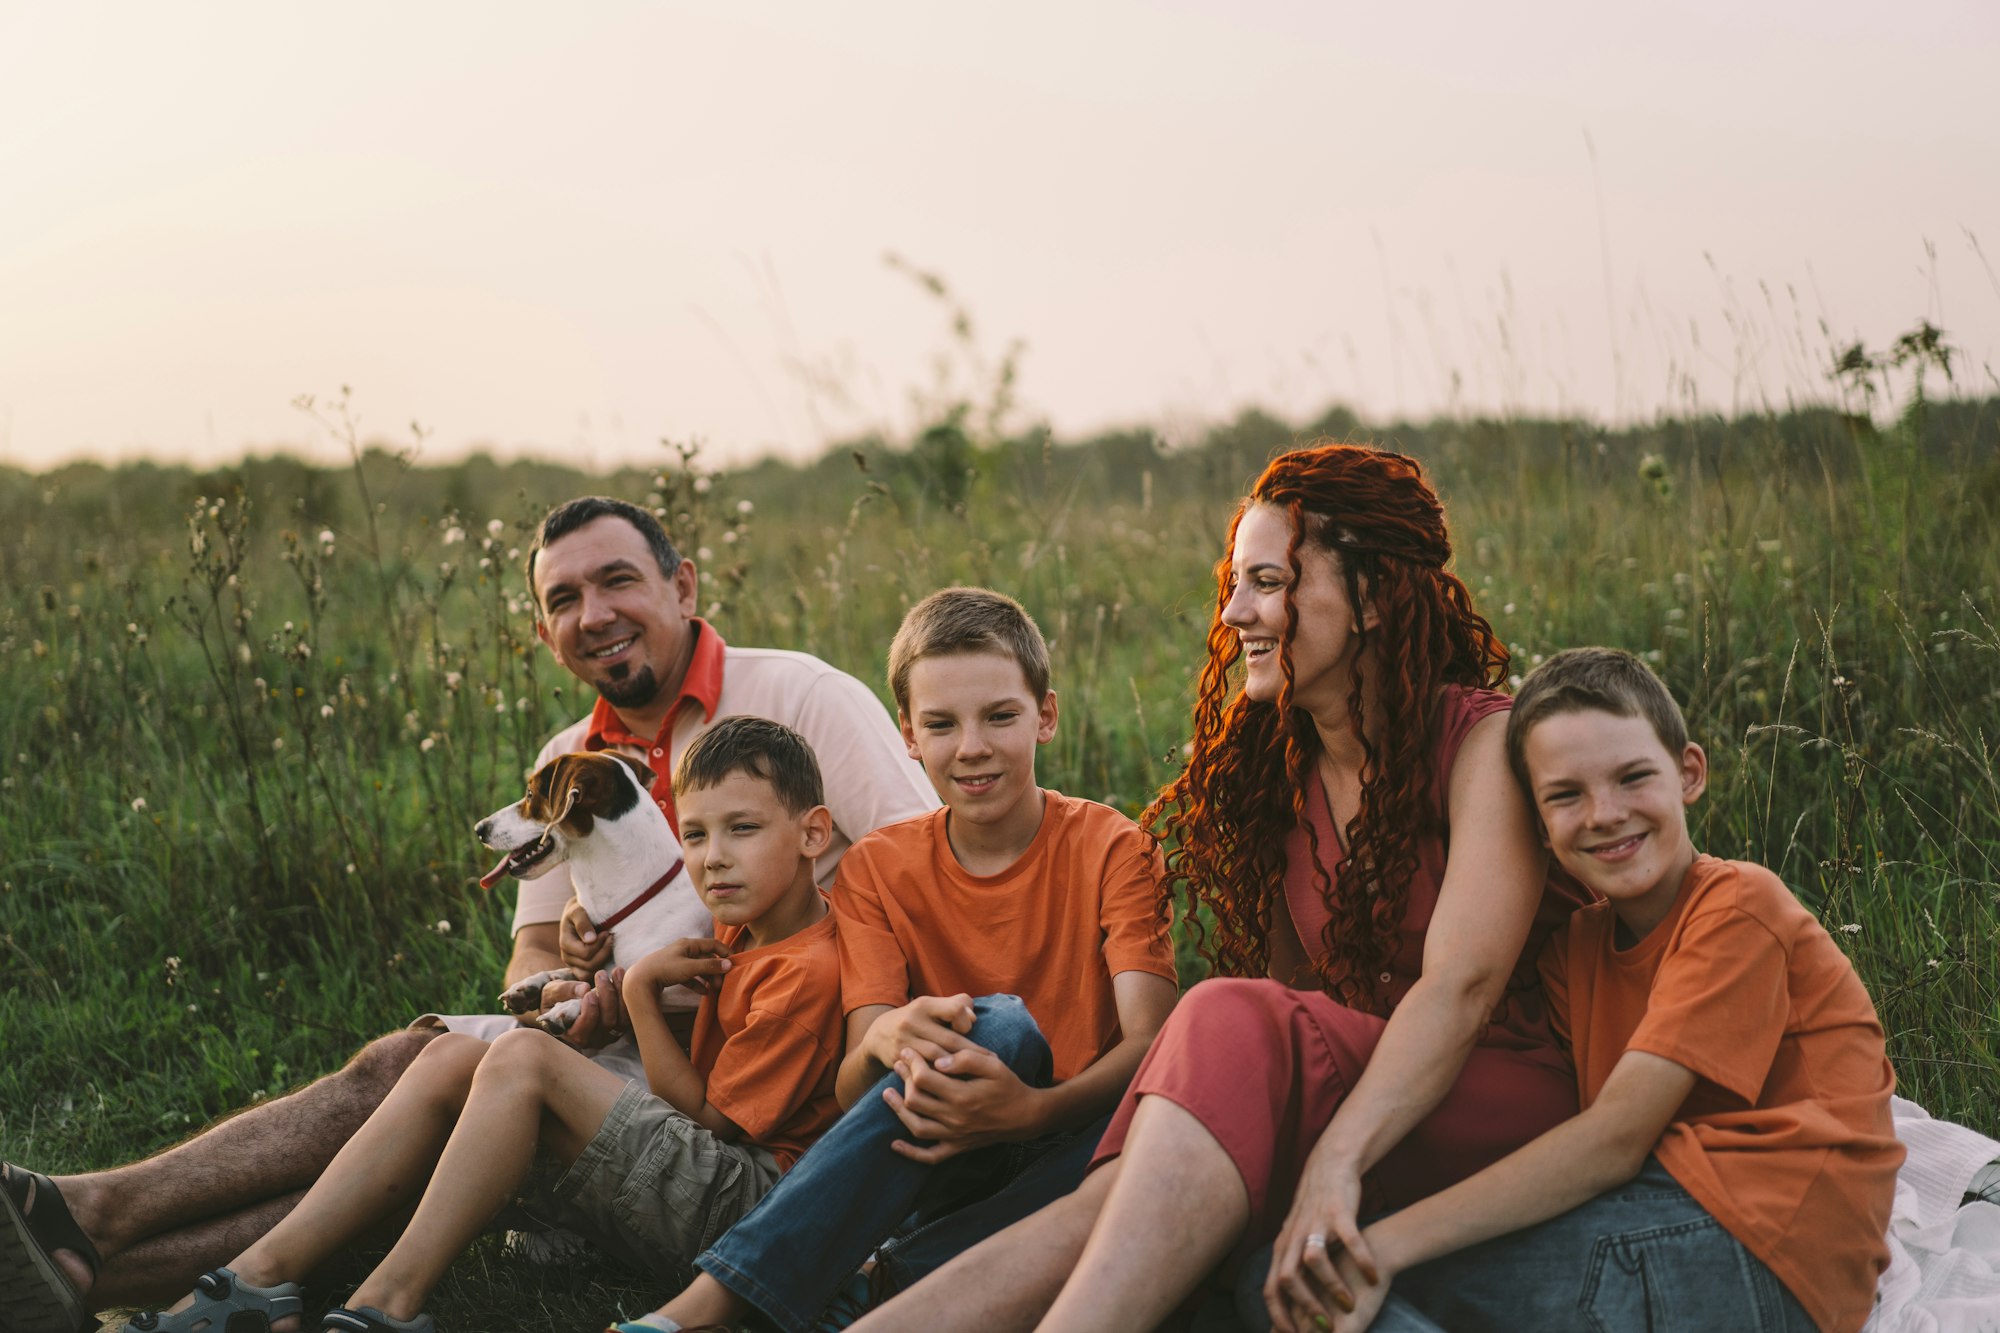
(614, 648)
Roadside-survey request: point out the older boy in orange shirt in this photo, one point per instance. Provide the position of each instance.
(1046, 907)
(1734, 1163)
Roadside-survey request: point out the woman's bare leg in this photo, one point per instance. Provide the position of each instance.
(1006, 1282)
(1176, 1208)
(531, 1090)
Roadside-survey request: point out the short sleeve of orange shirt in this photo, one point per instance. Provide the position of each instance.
(768, 1042)
(1079, 906)
(1719, 1001)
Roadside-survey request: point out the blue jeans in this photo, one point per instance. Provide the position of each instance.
(1642, 1256)
(851, 1192)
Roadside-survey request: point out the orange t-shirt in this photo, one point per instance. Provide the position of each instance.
(1786, 1139)
(767, 1042)
(1081, 905)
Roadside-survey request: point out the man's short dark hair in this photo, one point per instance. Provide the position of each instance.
(1602, 680)
(567, 517)
(766, 750)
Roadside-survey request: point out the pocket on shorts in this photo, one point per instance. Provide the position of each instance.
(1688, 1277)
(672, 1198)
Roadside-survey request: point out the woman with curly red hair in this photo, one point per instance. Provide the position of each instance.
(1371, 893)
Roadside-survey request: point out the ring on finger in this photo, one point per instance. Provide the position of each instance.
(1316, 1240)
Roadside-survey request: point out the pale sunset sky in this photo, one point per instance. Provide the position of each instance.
(575, 229)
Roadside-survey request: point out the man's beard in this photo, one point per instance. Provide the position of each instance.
(630, 691)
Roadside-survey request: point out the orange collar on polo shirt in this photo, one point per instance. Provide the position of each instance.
(702, 686)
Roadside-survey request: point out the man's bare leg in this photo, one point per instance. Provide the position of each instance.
(159, 1269)
(1006, 1282)
(161, 1222)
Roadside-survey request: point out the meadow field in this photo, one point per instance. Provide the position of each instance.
(248, 715)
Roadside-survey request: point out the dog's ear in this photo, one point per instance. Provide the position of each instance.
(640, 771)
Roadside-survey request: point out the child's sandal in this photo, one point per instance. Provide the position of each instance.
(223, 1301)
(368, 1319)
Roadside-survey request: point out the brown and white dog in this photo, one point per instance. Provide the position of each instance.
(592, 813)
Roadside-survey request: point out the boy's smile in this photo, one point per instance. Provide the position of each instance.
(1613, 803)
(974, 726)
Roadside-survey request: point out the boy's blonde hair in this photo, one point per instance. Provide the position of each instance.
(967, 620)
(1604, 680)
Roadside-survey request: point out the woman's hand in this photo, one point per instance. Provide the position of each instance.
(1305, 1289)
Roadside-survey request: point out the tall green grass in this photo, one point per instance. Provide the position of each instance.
(248, 715)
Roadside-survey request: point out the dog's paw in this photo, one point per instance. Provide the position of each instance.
(559, 1017)
(525, 995)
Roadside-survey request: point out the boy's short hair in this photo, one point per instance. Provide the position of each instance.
(967, 620)
(766, 750)
(570, 515)
(1604, 680)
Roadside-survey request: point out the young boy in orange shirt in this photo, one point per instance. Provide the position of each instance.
(1045, 907)
(650, 1173)
(1734, 1163)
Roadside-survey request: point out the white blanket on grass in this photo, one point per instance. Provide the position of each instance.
(1944, 1259)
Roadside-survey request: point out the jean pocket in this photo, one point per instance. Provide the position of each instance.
(1689, 1277)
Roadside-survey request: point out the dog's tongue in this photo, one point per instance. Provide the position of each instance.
(496, 874)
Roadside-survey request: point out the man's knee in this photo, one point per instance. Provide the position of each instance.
(377, 1066)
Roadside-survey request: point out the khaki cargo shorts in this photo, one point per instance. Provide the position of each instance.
(652, 1187)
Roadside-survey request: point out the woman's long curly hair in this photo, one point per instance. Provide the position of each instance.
(1227, 816)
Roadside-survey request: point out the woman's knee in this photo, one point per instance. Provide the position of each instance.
(1238, 1005)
